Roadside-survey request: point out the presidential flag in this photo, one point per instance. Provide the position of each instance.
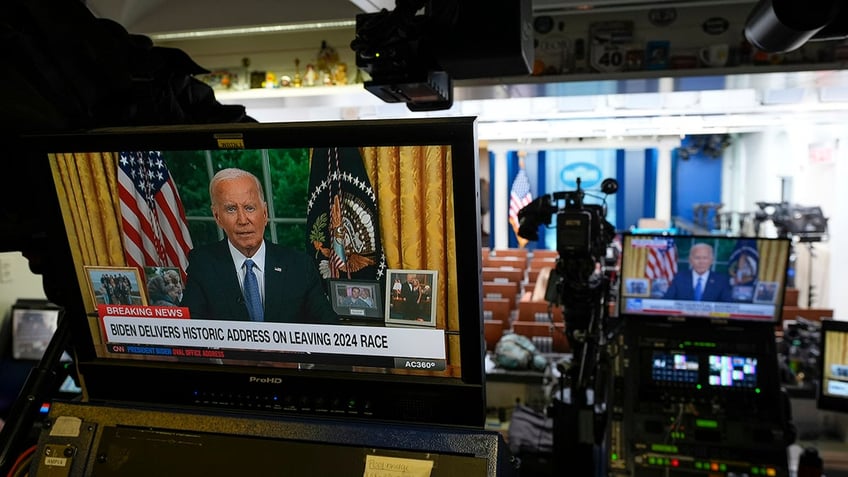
(343, 226)
(743, 268)
(519, 197)
(152, 215)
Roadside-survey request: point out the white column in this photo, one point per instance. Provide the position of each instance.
(662, 210)
(837, 226)
(500, 207)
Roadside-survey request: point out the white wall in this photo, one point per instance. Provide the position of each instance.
(763, 159)
(16, 281)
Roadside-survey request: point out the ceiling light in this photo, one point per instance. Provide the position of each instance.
(253, 30)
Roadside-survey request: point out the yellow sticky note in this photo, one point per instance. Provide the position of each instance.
(383, 466)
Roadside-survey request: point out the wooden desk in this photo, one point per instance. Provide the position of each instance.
(500, 308)
(492, 332)
(508, 290)
(542, 262)
(513, 262)
(813, 314)
(510, 274)
(510, 252)
(527, 311)
(540, 329)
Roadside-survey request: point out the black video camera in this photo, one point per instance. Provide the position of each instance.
(583, 237)
(582, 229)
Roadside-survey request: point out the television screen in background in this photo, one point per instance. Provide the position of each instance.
(750, 272)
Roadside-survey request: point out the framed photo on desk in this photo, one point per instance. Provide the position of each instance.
(411, 297)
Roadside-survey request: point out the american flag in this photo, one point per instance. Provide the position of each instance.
(662, 262)
(519, 197)
(152, 215)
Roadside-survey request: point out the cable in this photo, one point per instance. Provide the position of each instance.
(21, 465)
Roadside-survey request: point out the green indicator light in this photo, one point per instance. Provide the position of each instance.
(705, 344)
(667, 448)
(652, 460)
(614, 456)
(722, 467)
(755, 471)
(698, 465)
(706, 423)
(757, 390)
(698, 386)
(681, 346)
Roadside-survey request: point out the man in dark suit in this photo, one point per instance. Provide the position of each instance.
(222, 275)
(411, 295)
(698, 282)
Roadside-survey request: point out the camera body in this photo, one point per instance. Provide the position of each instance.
(583, 237)
(583, 231)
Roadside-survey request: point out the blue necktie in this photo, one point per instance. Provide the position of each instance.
(699, 288)
(251, 292)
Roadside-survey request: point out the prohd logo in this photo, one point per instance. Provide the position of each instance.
(269, 380)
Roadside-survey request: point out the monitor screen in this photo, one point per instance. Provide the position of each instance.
(674, 368)
(32, 330)
(367, 281)
(833, 385)
(733, 371)
(713, 277)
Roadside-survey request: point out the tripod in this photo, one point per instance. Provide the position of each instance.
(812, 255)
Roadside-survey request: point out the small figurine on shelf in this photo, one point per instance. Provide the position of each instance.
(270, 80)
(310, 76)
(340, 74)
(285, 81)
(327, 59)
(297, 82)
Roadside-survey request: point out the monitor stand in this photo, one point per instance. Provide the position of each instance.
(113, 440)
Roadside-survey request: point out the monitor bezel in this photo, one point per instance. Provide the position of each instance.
(826, 402)
(442, 400)
(622, 283)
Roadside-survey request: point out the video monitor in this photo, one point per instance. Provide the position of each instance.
(711, 277)
(32, 330)
(733, 371)
(833, 385)
(674, 368)
(367, 279)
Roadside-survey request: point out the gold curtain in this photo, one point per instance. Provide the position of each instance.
(416, 210)
(837, 351)
(85, 185)
(635, 265)
(773, 255)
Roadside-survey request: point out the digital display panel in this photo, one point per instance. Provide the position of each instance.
(711, 277)
(833, 386)
(329, 213)
(732, 371)
(677, 368)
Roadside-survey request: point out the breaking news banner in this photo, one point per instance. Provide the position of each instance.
(133, 326)
(702, 308)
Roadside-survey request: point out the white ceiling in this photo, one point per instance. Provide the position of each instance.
(814, 97)
(163, 16)
(160, 16)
